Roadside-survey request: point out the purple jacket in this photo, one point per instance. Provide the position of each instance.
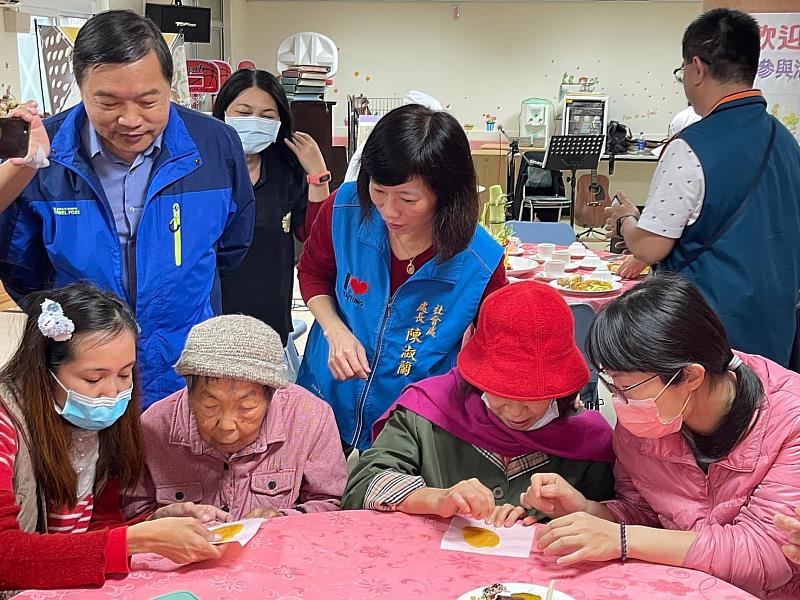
(659, 484)
(295, 465)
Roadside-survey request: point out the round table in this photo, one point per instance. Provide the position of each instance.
(595, 301)
(362, 555)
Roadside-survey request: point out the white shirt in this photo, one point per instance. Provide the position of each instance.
(676, 193)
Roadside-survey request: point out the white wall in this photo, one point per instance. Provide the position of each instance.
(9, 60)
(495, 55)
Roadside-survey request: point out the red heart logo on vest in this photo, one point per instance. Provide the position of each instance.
(359, 287)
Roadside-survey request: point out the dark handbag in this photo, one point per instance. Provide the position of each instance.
(617, 138)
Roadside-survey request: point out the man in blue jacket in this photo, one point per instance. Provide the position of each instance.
(723, 204)
(144, 198)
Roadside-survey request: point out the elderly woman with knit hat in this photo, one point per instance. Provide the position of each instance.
(468, 442)
(238, 437)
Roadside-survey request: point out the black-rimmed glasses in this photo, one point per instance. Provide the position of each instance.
(678, 73)
(622, 391)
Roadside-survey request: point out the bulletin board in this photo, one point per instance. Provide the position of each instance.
(779, 67)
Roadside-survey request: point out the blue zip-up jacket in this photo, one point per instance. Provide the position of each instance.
(197, 222)
(750, 275)
(414, 334)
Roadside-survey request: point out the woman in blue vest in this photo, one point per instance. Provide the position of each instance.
(395, 269)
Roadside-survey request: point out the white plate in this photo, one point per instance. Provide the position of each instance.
(518, 252)
(520, 266)
(592, 276)
(573, 266)
(615, 286)
(542, 276)
(514, 588)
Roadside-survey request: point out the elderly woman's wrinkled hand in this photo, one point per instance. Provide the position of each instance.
(790, 525)
(346, 355)
(468, 497)
(551, 494)
(204, 513)
(263, 512)
(507, 515)
(580, 536)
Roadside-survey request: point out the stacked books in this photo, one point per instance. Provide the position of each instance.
(305, 82)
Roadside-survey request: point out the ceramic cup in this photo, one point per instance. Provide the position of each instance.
(554, 268)
(602, 273)
(577, 249)
(591, 262)
(545, 251)
(513, 244)
(562, 255)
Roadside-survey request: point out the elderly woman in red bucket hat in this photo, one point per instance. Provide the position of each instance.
(468, 442)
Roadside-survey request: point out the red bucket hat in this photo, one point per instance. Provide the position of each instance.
(524, 346)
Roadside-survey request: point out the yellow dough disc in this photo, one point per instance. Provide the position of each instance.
(478, 537)
(526, 596)
(228, 531)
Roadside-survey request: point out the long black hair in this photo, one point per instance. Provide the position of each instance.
(414, 141)
(28, 376)
(662, 326)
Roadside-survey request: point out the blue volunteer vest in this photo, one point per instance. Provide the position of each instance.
(408, 337)
(750, 274)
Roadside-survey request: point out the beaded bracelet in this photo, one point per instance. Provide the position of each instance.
(623, 541)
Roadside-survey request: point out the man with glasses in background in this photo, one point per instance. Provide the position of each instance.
(722, 209)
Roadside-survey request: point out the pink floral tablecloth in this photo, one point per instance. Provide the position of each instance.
(596, 302)
(363, 555)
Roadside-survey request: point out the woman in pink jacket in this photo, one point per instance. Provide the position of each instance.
(707, 445)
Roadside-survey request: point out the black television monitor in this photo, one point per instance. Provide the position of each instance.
(193, 22)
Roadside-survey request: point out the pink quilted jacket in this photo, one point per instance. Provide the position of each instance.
(659, 484)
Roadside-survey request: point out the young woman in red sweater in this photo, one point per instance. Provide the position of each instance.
(70, 440)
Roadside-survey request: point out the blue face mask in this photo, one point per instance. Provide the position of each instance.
(92, 414)
(256, 133)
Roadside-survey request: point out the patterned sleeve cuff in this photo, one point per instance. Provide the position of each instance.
(389, 488)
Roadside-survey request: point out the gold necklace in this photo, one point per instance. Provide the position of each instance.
(410, 268)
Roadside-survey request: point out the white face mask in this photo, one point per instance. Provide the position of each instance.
(551, 414)
(256, 133)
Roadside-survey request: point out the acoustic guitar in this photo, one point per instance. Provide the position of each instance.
(591, 200)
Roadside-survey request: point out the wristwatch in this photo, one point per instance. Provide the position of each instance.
(319, 179)
(620, 220)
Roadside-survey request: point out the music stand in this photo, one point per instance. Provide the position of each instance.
(573, 153)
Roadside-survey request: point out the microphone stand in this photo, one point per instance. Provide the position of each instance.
(511, 187)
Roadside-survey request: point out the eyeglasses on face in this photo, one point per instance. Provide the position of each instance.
(678, 73)
(621, 392)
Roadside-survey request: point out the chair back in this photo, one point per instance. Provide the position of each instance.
(583, 315)
(293, 359)
(560, 234)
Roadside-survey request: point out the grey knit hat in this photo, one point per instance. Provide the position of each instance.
(234, 347)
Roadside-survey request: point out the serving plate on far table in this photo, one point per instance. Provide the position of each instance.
(615, 287)
(518, 265)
